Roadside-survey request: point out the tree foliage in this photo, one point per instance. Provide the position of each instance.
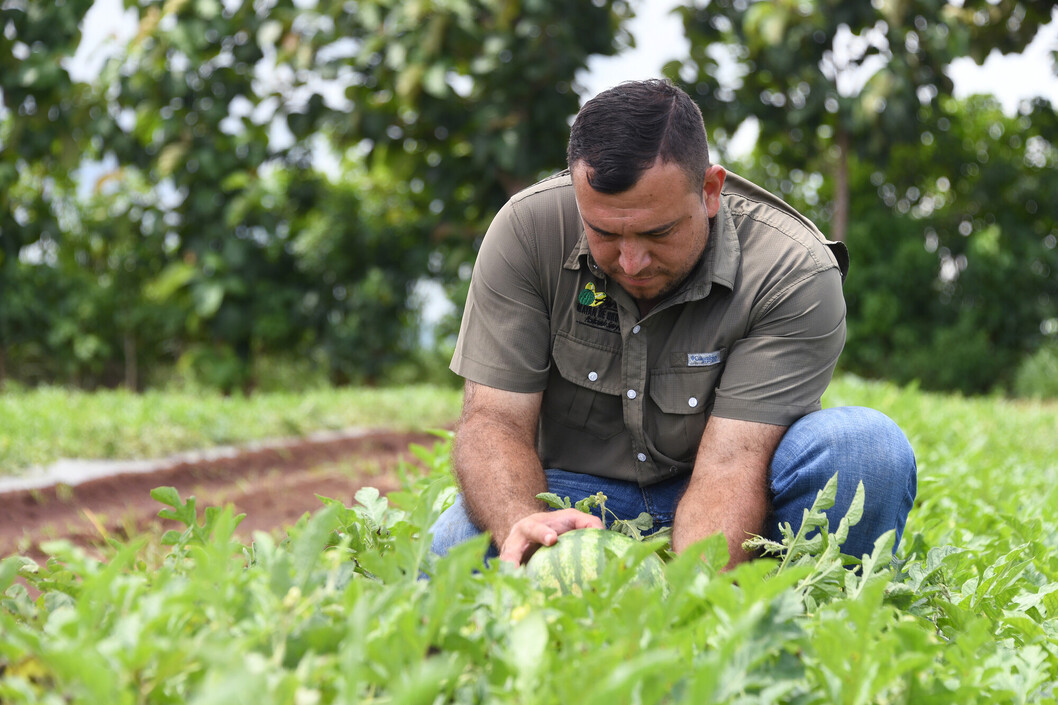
(278, 176)
(285, 172)
(828, 80)
(37, 154)
(954, 276)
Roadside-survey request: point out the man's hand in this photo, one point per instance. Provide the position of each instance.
(542, 529)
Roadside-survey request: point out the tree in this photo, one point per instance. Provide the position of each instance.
(954, 278)
(38, 150)
(827, 79)
(219, 235)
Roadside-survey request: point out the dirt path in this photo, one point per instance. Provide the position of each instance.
(273, 486)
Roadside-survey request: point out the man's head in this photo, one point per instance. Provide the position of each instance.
(623, 131)
(644, 186)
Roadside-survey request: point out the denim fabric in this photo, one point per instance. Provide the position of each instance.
(857, 443)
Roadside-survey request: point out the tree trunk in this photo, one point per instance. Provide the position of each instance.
(839, 225)
(131, 370)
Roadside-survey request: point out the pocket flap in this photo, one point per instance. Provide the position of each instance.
(687, 390)
(589, 365)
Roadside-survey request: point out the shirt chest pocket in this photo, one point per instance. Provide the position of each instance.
(585, 387)
(681, 400)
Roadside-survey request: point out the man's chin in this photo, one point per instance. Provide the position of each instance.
(649, 296)
(641, 287)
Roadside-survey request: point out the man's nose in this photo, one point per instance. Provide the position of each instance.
(634, 257)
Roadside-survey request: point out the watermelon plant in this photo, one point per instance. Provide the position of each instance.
(637, 528)
(350, 606)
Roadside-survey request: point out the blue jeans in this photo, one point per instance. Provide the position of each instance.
(855, 442)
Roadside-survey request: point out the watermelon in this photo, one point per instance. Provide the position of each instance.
(580, 556)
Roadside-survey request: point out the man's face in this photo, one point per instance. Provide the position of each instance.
(650, 237)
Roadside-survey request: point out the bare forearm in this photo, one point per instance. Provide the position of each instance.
(499, 473)
(728, 490)
(725, 503)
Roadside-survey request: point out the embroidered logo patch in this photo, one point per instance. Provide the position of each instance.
(705, 359)
(596, 309)
(590, 297)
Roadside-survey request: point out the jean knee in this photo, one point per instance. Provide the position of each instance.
(452, 528)
(846, 437)
(859, 445)
(888, 452)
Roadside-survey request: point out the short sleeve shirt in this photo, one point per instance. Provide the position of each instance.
(753, 333)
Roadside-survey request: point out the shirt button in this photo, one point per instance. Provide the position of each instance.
(642, 457)
(593, 375)
(631, 394)
(635, 330)
(692, 402)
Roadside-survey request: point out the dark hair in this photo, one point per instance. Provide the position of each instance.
(621, 132)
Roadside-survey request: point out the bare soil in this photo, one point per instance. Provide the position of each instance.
(273, 487)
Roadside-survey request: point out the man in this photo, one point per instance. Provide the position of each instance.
(649, 326)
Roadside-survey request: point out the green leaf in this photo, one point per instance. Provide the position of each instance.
(712, 550)
(167, 495)
(1027, 601)
(554, 501)
(185, 512)
(171, 279)
(797, 545)
(874, 567)
(852, 516)
(9, 569)
(425, 679)
(375, 509)
(208, 296)
(528, 644)
(634, 527)
(591, 502)
(310, 543)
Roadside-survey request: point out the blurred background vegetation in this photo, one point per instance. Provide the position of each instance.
(267, 194)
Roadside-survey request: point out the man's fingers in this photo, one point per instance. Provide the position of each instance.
(568, 519)
(543, 529)
(587, 521)
(512, 553)
(517, 545)
(525, 535)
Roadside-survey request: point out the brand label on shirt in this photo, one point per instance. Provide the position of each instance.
(705, 359)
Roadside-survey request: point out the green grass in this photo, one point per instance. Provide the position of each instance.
(39, 426)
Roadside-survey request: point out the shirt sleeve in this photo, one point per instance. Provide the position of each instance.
(779, 370)
(504, 338)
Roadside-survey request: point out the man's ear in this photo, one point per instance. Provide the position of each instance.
(714, 182)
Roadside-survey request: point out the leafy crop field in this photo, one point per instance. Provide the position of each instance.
(350, 607)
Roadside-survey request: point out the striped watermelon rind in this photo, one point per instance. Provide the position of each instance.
(579, 557)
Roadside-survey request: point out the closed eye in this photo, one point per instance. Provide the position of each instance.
(658, 232)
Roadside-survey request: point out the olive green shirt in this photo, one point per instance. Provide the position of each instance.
(752, 334)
